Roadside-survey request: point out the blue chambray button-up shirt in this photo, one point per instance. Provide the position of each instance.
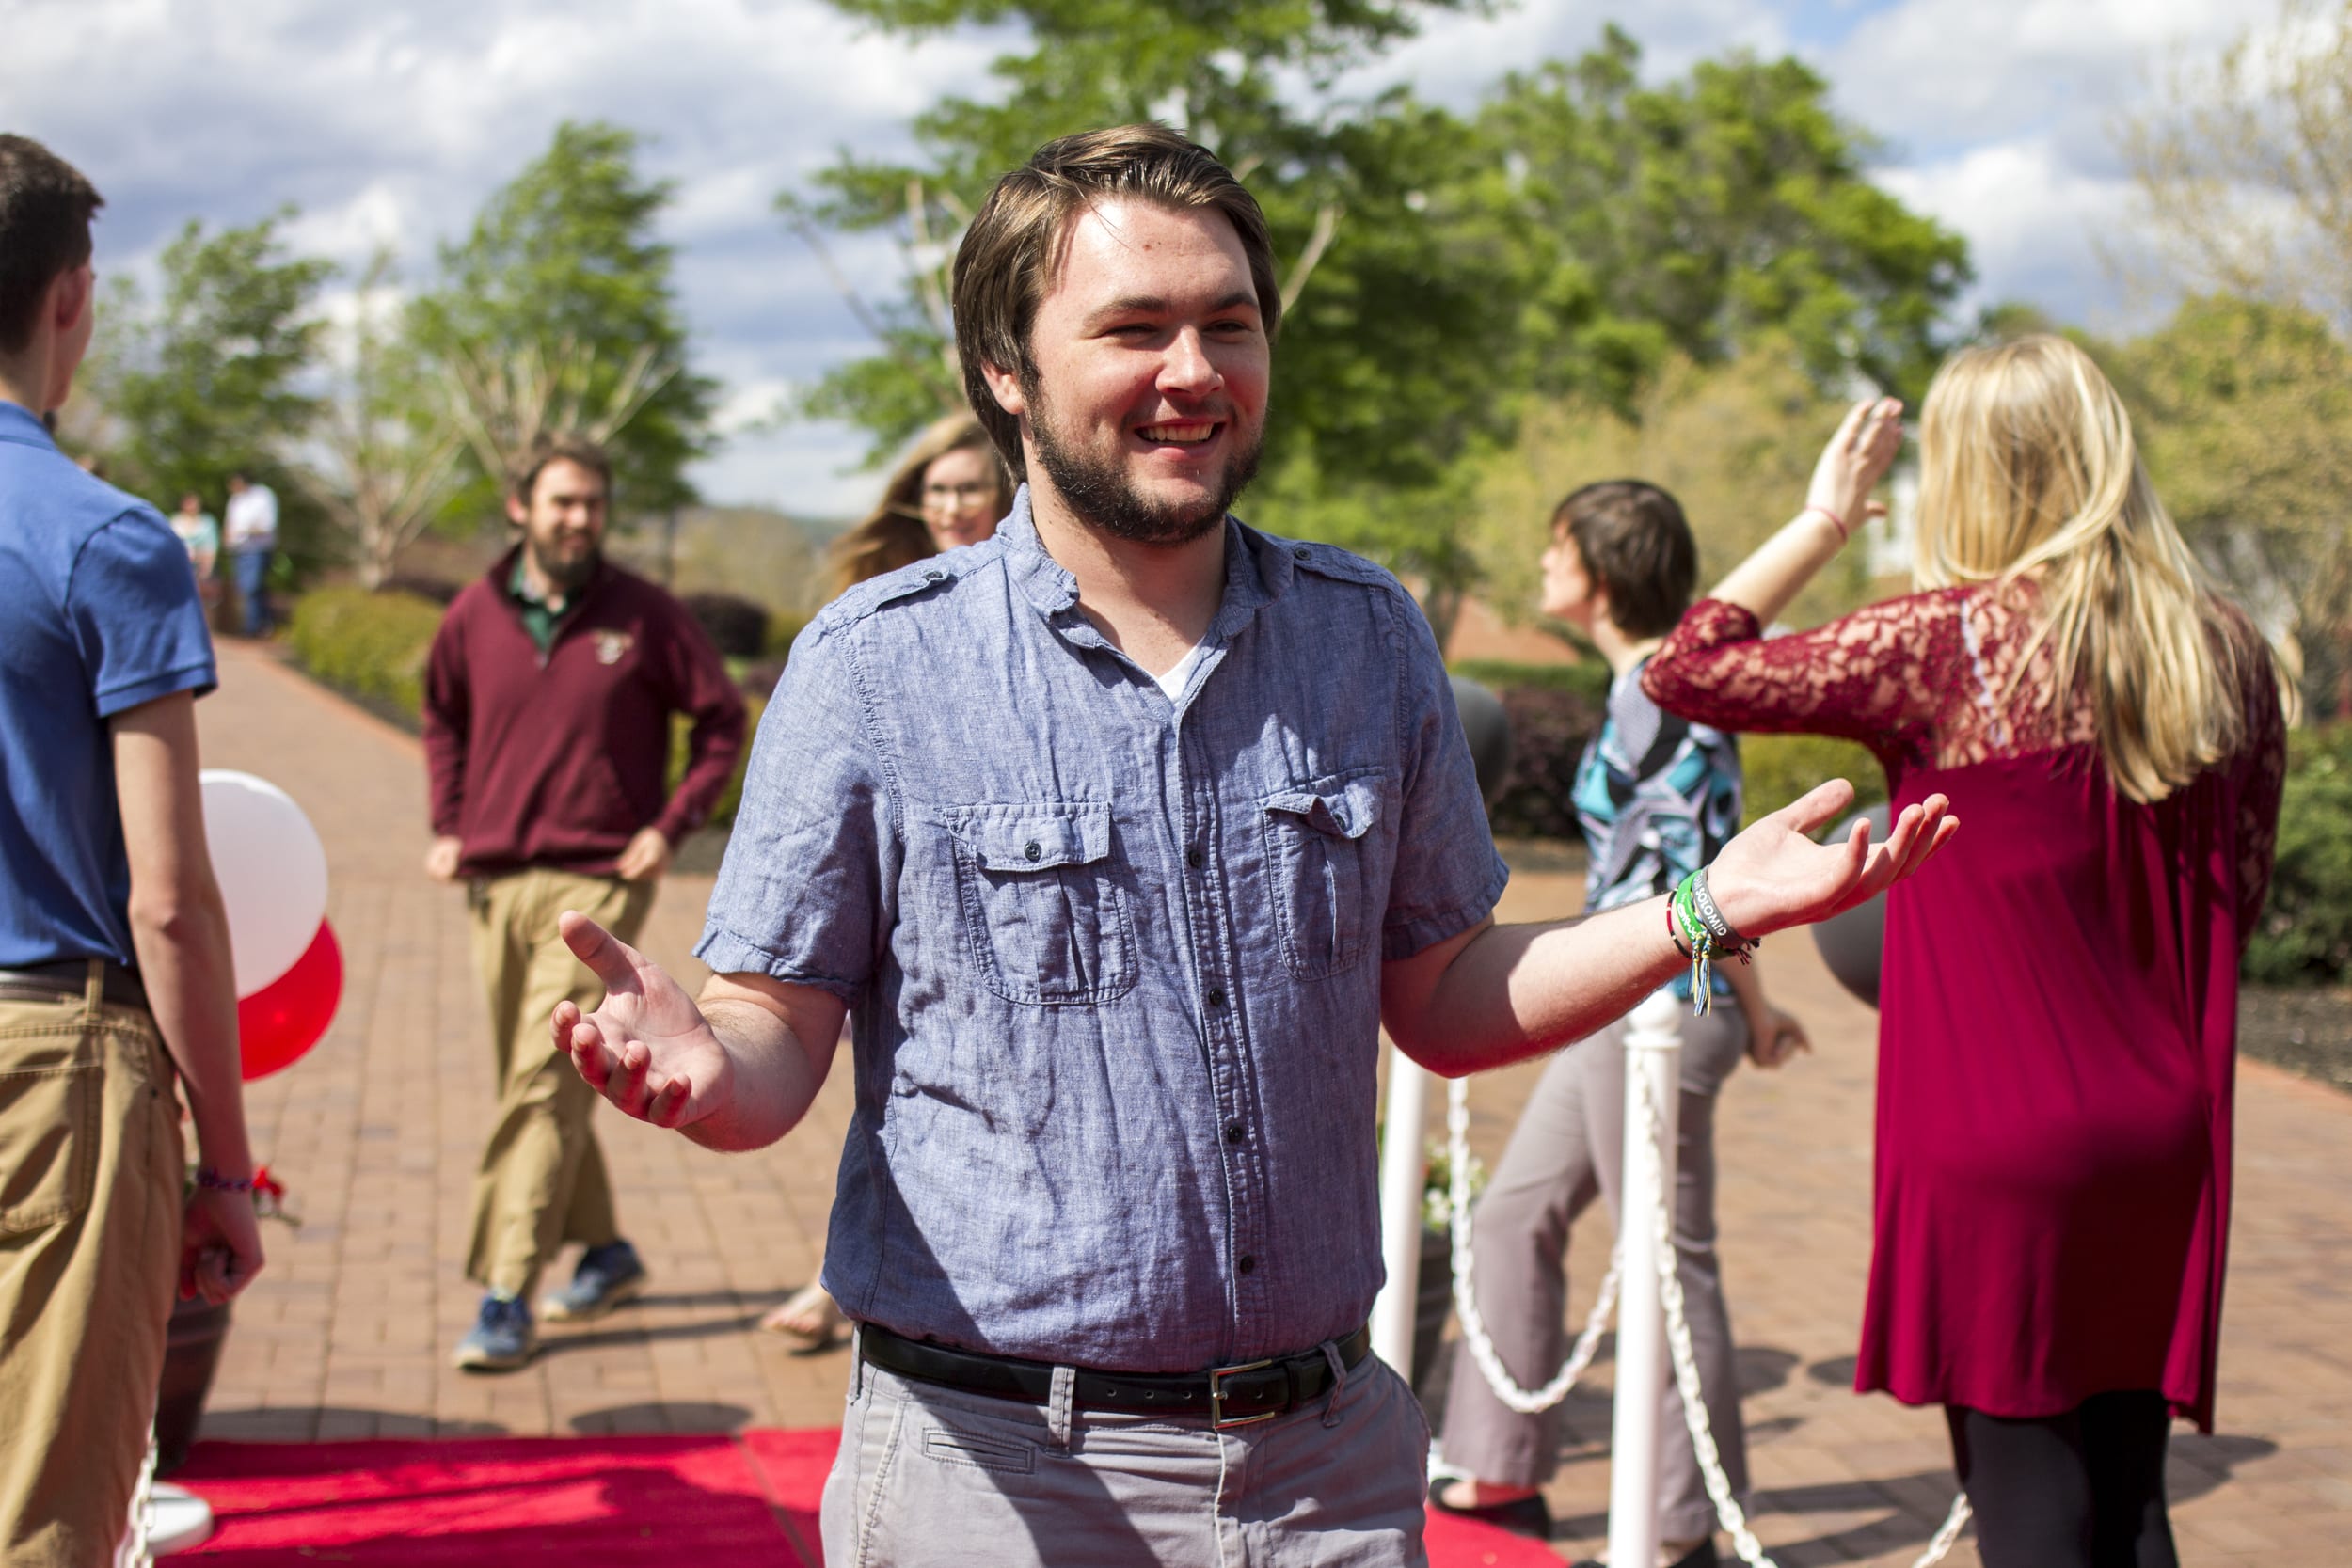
(1114, 961)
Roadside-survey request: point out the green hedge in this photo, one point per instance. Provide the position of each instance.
(1779, 769)
(2305, 937)
(372, 646)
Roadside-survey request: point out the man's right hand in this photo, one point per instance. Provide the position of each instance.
(647, 1047)
(220, 1245)
(441, 861)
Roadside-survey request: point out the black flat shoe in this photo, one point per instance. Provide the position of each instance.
(1528, 1516)
(1701, 1556)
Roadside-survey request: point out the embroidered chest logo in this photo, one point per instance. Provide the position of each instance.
(612, 645)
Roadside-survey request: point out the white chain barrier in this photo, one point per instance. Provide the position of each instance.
(1686, 1368)
(133, 1552)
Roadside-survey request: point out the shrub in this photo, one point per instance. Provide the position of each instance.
(737, 626)
(439, 590)
(682, 726)
(1780, 768)
(2305, 935)
(783, 627)
(1587, 677)
(1550, 727)
(372, 646)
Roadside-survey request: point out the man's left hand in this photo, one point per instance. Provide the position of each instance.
(1773, 875)
(647, 856)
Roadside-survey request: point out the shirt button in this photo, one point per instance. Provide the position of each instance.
(1232, 1132)
(1195, 859)
(1247, 1264)
(1303, 553)
(1216, 997)
(1030, 849)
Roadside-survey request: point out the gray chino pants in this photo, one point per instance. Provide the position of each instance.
(1569, 1148)
(928, 1475)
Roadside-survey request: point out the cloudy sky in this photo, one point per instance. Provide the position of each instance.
(387, 124)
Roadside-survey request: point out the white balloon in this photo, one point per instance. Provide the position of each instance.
(272, 871)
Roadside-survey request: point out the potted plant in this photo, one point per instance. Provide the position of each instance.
(192, 1347)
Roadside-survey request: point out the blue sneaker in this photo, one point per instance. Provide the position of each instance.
(501, 1338)
(607, 1276)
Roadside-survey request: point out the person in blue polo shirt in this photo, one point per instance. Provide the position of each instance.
(115, 976)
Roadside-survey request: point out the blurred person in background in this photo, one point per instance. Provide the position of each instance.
(1658, 797)
(115, 972)
(948, 491)
(2058, 1018)
(251, 539)
(549, 694)
(199, 535)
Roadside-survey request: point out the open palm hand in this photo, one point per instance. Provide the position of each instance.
(1773, 875)
(646, 1047)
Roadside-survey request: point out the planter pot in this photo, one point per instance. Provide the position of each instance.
(191, 1352)
(1432, 1298)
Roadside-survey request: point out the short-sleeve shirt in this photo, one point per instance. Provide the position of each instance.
(1658, 797)
(1113, 957)
(99, 614)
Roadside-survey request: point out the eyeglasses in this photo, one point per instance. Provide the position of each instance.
(958, 495)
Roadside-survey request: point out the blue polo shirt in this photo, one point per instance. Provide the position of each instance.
(98, 614)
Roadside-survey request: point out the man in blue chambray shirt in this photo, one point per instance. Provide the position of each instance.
(1124, 833)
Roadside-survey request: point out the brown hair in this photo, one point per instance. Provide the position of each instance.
(1636, 545)
(560, 449)
(1007, 261)
(45, 212)
(892, 534)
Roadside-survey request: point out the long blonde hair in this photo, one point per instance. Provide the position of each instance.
(2028, 466)
(894, 535)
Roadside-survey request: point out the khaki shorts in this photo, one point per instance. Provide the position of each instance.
(92, 1181)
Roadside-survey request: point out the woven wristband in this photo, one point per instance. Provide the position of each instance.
(211, 1181)
(1837, 522)
(1711, 915)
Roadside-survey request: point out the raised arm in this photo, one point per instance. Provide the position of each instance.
(1496, 994)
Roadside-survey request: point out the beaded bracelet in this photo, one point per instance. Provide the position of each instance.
(1703, 935)
(211, 1181)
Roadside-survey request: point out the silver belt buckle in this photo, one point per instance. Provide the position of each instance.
(1219, 1420)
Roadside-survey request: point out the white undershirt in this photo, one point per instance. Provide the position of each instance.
(1173, 682)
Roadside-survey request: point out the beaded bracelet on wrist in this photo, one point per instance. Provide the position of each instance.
(211, 1181)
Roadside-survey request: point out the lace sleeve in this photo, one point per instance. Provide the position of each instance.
(1872, 677)
(2262, 779)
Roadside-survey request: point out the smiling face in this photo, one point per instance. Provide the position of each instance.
(1146, 405)
(960, 497)
(563, 523)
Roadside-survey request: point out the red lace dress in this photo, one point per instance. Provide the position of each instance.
(2058, 1003)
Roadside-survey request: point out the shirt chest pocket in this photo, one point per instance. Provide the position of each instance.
(1321, 846)
(1045, 917)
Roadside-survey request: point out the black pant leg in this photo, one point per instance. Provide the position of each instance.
(2029, 1486)
(2124, 1438)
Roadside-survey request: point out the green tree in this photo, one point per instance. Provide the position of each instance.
(562, 272)
(2244, 411)
(212, 380)
(1693, 217)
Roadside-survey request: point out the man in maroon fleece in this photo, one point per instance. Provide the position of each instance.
(547, 707)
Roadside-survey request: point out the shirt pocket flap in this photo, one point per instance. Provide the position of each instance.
(1348, 809)
(1033, 838)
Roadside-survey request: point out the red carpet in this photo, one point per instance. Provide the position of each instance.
(748, 1501)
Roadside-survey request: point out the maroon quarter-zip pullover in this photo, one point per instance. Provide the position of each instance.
(559, 762)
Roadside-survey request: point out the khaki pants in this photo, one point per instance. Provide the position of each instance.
(542, 1181)
(92, 1181)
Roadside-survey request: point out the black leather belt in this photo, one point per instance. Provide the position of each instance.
(1228, 1396)
(71, 977)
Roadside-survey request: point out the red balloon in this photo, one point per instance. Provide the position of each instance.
(279, 1022)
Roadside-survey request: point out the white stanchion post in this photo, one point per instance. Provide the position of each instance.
(1653, 1052)
(1402, 1172)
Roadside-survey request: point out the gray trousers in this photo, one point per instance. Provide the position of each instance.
(928, 1475)
(1568, 1149)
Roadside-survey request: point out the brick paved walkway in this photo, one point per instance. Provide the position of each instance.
(376, 1134)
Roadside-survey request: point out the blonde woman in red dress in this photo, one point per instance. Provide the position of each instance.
(2058, 1007)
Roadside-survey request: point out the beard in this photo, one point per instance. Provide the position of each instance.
(1098, 490)
(569, 575)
